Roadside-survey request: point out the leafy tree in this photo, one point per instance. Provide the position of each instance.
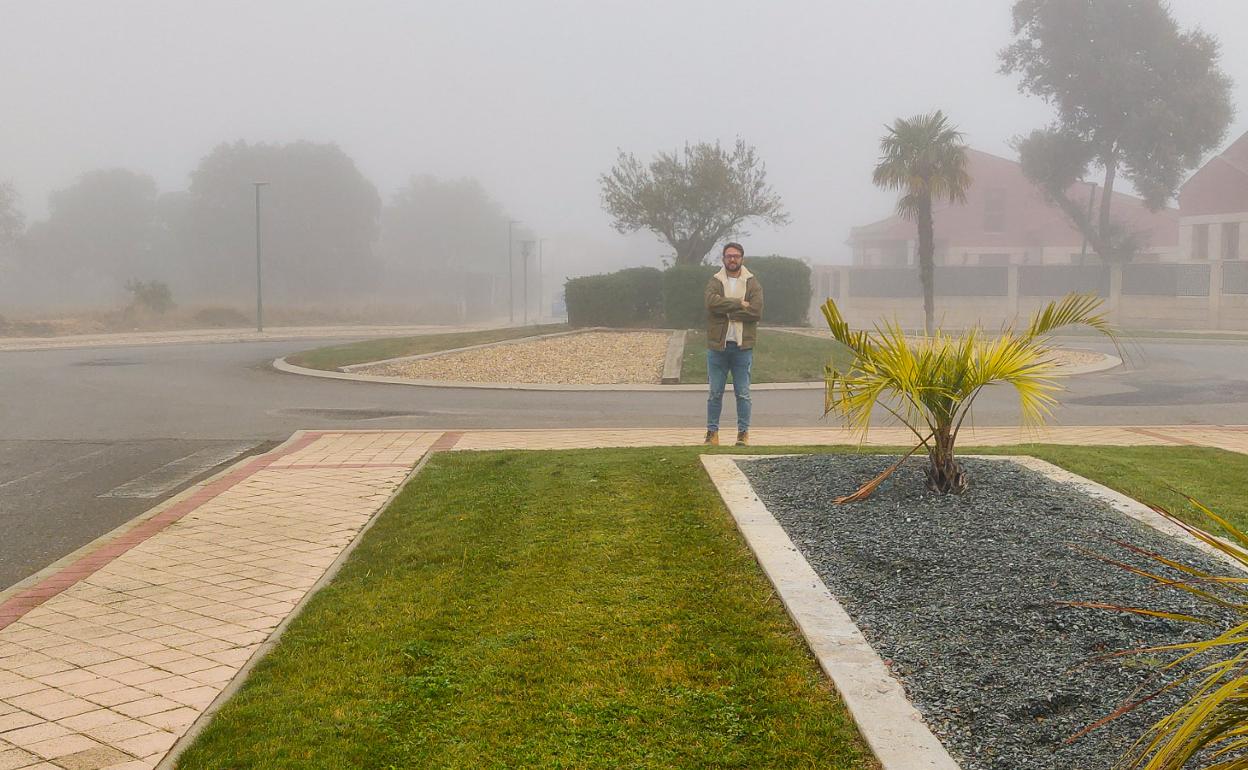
(448, 224)
(150, 296)
(11, 220)
(319, 218)
(925, 159)
(1134, 95)
(98, 230)
(692, 199)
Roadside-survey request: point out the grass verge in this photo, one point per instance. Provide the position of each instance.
(337, 356)
(588, 609)
(778, 357)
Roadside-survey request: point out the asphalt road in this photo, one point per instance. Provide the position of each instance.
(91, 437)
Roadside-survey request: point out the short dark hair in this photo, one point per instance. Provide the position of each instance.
(732, 245)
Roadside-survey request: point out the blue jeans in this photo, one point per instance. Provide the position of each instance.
(718, 364)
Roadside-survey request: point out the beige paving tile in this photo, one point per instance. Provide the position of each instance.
(62, 746)
(153, 704)
(197, 697)
(148, 744)
(114, 733)
(41, 697)
(91, 719)
(16, 720)
(174, 720)
(17, 687)
(14, 758)
(62, 709)
(116, 697)
(28, 736)
(93, 759)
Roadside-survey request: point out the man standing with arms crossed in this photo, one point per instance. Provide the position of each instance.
(734, 305)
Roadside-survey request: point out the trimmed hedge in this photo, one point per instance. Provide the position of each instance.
(786, 292)
(623, 299)
(684, 288)
(648, 297)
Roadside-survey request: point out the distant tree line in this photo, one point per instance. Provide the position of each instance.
(326, 233)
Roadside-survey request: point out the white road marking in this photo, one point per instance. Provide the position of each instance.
(51, 468)
(173, 474)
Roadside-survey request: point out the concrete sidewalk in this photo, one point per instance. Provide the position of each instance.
(109, 657)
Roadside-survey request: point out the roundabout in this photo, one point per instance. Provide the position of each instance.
(597, 359)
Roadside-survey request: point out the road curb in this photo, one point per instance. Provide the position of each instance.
(282, 365)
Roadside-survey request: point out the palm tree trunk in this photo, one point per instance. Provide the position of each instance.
(1106, 249)
(944, 474)
(927, 257)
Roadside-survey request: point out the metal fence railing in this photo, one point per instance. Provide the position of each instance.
(1060, 280)
(903, 282)
(1235, 277)
(1166, 280)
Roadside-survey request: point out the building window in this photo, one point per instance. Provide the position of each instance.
(994, 260)
(1230, 240)
(1200, 241)
(994, 209)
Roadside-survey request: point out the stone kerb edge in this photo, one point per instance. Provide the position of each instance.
(674, 358)
(889, 723)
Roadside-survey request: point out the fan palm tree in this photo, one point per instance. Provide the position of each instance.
(931, 383)
(925, 159)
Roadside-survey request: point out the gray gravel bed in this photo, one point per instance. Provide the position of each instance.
(960, 596)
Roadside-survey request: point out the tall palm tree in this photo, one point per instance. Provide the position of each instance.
(925, 159)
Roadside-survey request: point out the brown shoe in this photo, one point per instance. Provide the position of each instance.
(712, 438)
(743, 438)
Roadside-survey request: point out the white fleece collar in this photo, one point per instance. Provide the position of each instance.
(723, 276)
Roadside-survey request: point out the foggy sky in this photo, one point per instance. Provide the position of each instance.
(531, 97)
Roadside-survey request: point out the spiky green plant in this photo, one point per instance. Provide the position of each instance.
(1211, 725)
(930, 383)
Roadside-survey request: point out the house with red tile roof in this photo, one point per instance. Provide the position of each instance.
(1214, 207)
(1006, 221)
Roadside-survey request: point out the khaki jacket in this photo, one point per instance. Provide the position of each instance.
(720, 310)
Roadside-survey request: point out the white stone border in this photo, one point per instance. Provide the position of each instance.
(351, 373)
(891, 725)
(888, 721)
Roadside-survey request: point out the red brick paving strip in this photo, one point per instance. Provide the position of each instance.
(447, 441)
(24, 601)
(1164, 436)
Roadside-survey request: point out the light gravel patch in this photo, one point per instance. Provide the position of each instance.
(592, 358)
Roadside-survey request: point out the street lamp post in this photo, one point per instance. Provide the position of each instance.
(259, 285)
(541, 299)
(526, 249)
(511, 274)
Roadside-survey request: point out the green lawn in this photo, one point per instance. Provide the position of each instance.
(587, 609)
(336, 356)
(778, 357)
